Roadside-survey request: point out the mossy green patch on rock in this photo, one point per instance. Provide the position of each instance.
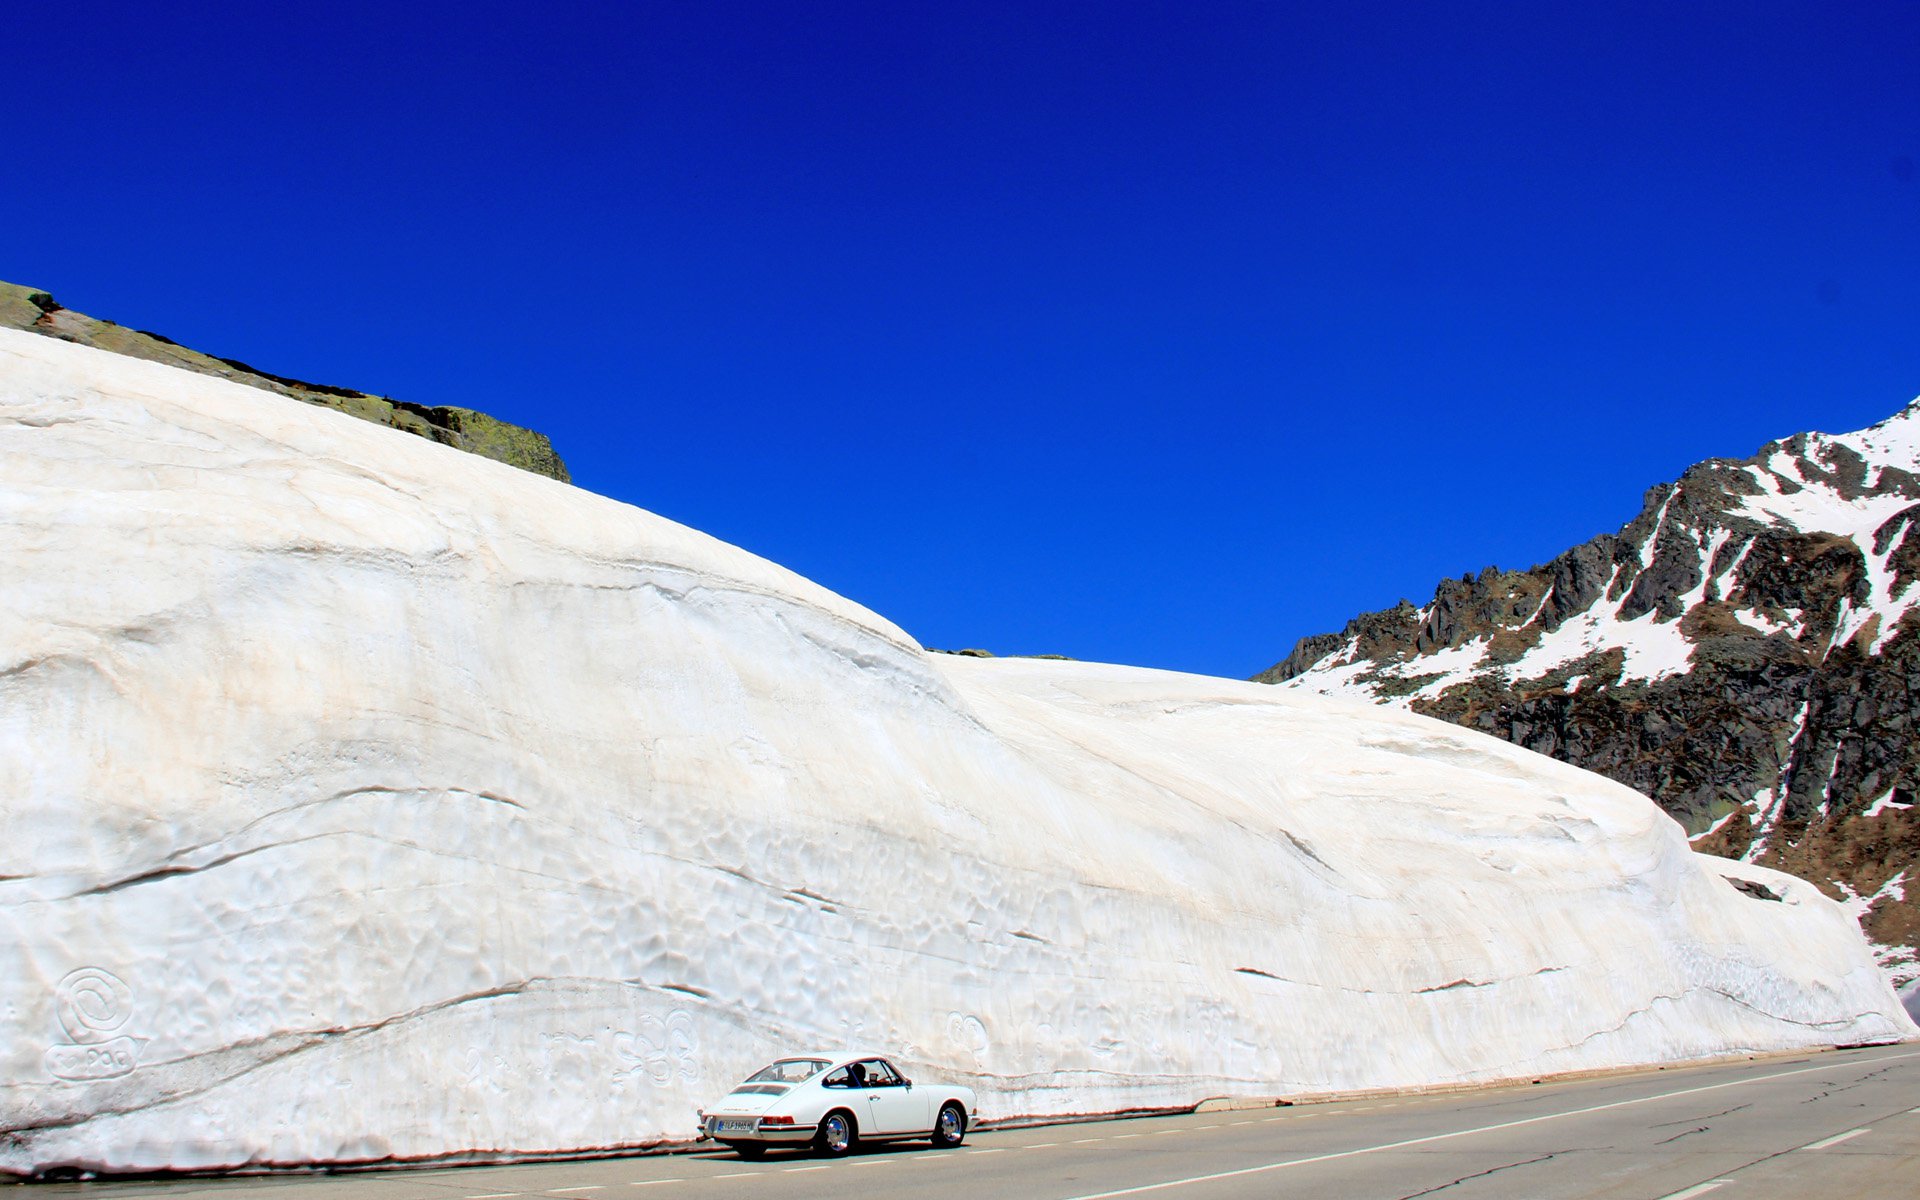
(461, 428)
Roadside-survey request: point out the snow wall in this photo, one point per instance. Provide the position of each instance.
(368, 800)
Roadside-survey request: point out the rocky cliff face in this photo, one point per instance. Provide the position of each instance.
(1746, 651)
(461, 428)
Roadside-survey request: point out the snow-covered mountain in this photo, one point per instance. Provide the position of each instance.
(364, 800)
(1746, 651)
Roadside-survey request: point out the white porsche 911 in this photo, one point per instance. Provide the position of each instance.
(833, 1101)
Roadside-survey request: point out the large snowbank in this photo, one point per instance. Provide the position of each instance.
(366, 799)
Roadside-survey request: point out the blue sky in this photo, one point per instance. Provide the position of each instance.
(1160, 334)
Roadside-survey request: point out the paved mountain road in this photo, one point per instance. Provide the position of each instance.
(1836, 1125)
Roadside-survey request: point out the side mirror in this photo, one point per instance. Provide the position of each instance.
(906, 1081)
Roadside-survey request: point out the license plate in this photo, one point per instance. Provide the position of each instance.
(737, 1126)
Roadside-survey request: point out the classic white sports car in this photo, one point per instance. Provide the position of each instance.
(833, 1101)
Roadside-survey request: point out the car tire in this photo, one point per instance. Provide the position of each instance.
(752, 1150)
(838, 1134)
(950, 1127)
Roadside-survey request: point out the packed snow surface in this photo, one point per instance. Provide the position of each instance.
(365, 799)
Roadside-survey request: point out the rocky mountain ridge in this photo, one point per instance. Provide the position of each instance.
(1746, 651)
(462, 428)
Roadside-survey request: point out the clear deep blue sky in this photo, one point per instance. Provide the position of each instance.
(1161, 334)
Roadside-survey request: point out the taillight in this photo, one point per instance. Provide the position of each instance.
(776, 1120)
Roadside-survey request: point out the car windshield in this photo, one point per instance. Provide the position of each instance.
(789, 1070)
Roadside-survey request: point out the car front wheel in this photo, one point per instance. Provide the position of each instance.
(837, 1134)
(949, 1127)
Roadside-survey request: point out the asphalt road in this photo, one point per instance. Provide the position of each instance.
(1834, 1125)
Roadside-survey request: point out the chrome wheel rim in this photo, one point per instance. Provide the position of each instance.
(837, 1138)
(949, 1124)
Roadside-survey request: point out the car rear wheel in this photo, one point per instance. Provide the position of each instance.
(949, 1127)
(749, 1149)
(837, 1134)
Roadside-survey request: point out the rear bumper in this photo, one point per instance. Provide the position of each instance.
(772, 1135)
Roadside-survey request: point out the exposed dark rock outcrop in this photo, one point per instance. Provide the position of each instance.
(461, 428)
(1746, 651)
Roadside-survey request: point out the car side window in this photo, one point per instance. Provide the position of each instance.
(879, 1074)
(840, 1079)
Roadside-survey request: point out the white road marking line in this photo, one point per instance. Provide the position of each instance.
(1441, 1137)
(1121, 1137)
(1042, 1145)
(734, 1175)
(1836, 1139)
(1698, 1189)
(1165, 1132)
(651, 1182)
(994, 1150)
(791, 1170)
(494, 1196)
(585, 1187)
(1084, 1141)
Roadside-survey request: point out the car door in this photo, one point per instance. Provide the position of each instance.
(893, 1106)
